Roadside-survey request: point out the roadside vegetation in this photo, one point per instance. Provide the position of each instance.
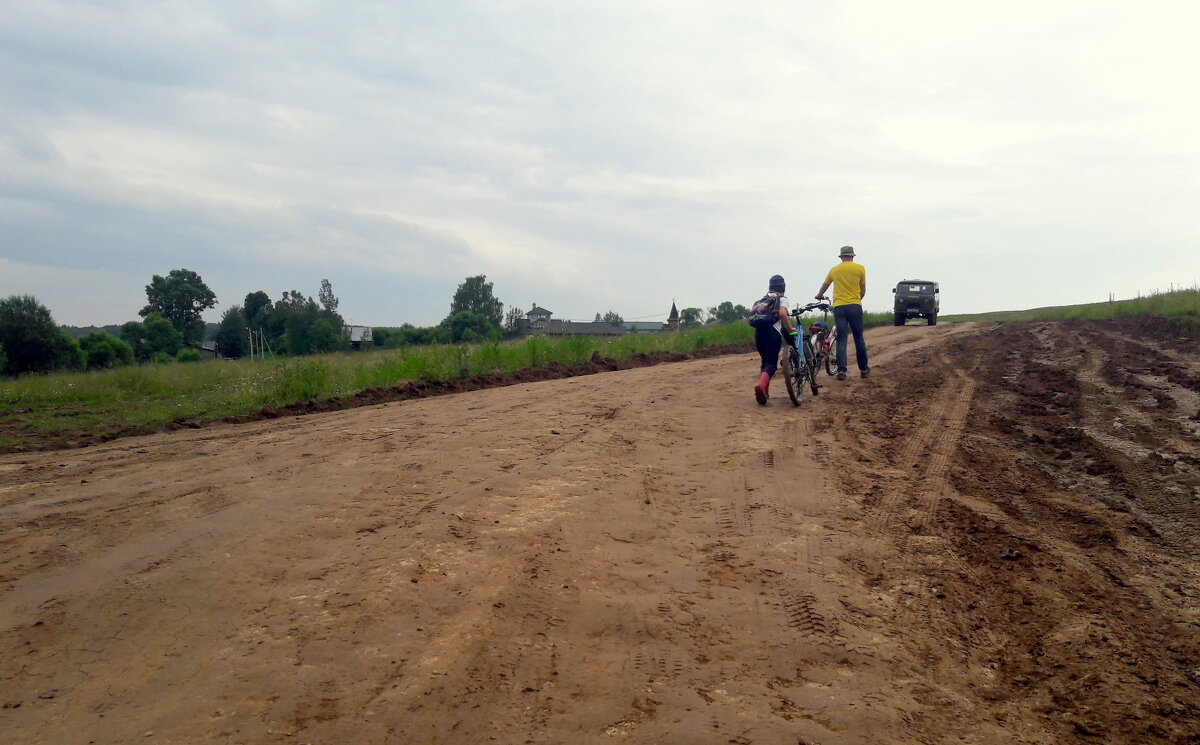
(873, 319)
(1183, 304)
(151, 396)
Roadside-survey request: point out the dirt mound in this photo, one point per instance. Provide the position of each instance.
(1066, 530)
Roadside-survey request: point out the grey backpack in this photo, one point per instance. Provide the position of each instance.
(765, 312)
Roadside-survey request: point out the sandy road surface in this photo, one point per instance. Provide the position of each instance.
(992, 541)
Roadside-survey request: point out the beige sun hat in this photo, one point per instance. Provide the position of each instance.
(846, 251)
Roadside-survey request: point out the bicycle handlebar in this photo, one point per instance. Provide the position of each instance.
(796, 312)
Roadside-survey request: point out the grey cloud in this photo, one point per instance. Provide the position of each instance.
(617, 143)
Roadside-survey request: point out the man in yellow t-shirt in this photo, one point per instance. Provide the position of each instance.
(849, 282)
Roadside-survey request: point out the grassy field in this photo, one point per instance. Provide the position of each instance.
(873, 319)
(1174, 304)
(151, 396)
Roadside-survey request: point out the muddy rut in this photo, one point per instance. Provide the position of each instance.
(992, 540)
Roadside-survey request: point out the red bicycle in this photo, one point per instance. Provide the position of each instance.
(824, 337)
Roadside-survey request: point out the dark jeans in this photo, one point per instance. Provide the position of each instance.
(850, 317)
(769, 342)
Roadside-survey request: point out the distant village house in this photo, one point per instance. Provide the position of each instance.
(538, 318)
(539, 321)
(358, 336)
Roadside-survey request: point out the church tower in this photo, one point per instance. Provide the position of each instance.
(672, 323)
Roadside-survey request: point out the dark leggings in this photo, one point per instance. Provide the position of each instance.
(769, 342)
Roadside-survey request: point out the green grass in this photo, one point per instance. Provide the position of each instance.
(877, 319)
(1184, 304)
(151, 396)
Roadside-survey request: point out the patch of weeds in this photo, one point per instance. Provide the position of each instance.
(303, 381)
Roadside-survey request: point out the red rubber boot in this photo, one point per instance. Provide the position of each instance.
(760, 390)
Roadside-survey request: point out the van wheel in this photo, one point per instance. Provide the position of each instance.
(900, 319)
(933, 319)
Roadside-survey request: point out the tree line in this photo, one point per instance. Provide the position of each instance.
(172, 327)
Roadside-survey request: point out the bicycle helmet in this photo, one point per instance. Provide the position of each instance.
(776, 284)
(819, 326)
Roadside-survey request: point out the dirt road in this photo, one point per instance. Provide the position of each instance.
(993, 540)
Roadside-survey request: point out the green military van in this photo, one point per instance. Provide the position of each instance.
(917, 298)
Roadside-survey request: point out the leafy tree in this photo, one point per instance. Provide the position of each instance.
(301, 316)
(289, 304)
(515, 322)
(323, 337)
(133, 333)
(256, 304)
(68, 349)
(103, 350)
(32, 340)
(232, 338)
(180, 298)
(727, 312)
(467, 325)
(475, 295)
(3, 359)
(611, 317)
(154, 340)
(160, 335)
(297, 325)
(690, 317)
(329, 301)
(307, 329)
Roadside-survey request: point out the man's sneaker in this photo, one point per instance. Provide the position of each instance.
(760, 395)
(841, 375)
(864, 374)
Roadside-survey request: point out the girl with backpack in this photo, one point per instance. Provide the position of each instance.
(770, 319)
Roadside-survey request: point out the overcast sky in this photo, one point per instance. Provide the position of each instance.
(591, 156)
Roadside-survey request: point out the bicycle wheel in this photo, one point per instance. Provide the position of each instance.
(790, 369)
(829, 359)
(810, 368)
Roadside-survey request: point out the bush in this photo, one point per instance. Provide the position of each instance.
(187, 354)
(32, 341)
(68, 349)
(468, 326)
(103, 350)
(155, 340)
(323, 337)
